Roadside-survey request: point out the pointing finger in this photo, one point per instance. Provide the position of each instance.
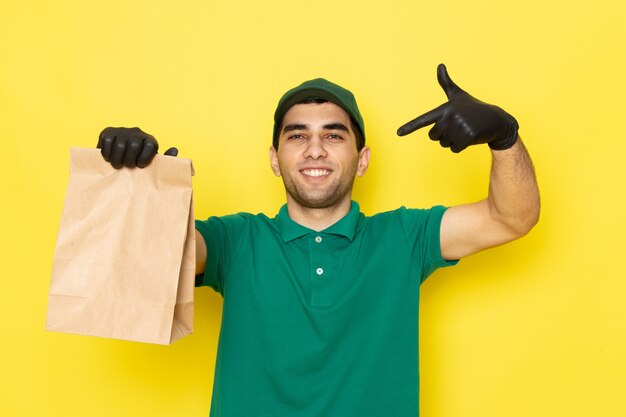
(421, 121)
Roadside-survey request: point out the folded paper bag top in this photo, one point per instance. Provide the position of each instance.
(124, 263)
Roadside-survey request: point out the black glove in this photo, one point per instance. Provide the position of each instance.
(464, 120)
(129, 146)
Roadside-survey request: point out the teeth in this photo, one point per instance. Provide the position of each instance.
(315, 172)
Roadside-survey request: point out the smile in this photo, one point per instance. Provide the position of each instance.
(316, 172)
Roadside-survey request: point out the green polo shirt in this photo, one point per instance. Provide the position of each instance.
(319, 323)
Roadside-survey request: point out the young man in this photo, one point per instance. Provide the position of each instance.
(320, 312)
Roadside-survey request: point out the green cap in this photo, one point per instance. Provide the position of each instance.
(318, 88)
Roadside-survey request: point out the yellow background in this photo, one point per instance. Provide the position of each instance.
(533, 328)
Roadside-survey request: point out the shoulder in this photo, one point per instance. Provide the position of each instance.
(411, 223)
(403, 214)
(237, 222)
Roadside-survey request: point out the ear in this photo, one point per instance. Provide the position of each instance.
(274, 161)
(364, 161)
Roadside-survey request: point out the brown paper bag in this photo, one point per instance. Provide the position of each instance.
(124, 262)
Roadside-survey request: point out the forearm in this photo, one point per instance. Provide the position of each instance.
(513, 198)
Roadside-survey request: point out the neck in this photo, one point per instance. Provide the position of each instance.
(318, 218)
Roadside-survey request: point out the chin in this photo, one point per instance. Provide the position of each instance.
(318, 202)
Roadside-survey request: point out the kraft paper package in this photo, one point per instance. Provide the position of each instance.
(124, 264)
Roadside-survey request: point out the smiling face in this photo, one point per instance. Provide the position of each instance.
(317, 156)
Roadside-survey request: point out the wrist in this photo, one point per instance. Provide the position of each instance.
(508, 137)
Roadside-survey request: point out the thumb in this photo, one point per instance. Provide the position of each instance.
(446, 82)
(171, 152)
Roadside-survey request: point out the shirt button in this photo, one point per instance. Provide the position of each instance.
(318, 239)
(319, 271)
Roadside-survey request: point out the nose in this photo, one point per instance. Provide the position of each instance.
(315, 149)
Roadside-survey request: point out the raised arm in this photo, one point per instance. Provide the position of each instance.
(510, 210)
(512, 206)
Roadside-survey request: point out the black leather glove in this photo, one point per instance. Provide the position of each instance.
(464, 120)
(129, 146)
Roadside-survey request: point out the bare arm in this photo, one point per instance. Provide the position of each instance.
(509, 212)
(511, 208)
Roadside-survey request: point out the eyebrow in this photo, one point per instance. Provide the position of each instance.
(330, 126)
(336, 126)
(295, 126)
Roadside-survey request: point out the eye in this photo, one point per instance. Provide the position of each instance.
(296, 136)
(334, 136)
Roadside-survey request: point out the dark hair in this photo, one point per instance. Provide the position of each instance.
(360, 141)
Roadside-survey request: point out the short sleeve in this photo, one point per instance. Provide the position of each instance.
(221, 237)
(422, 228)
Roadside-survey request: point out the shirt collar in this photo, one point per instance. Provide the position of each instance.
(346, 226)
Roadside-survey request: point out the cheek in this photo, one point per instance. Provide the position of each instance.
(348, 158)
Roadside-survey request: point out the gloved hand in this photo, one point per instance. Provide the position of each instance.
(464, 120)
(129, 146)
